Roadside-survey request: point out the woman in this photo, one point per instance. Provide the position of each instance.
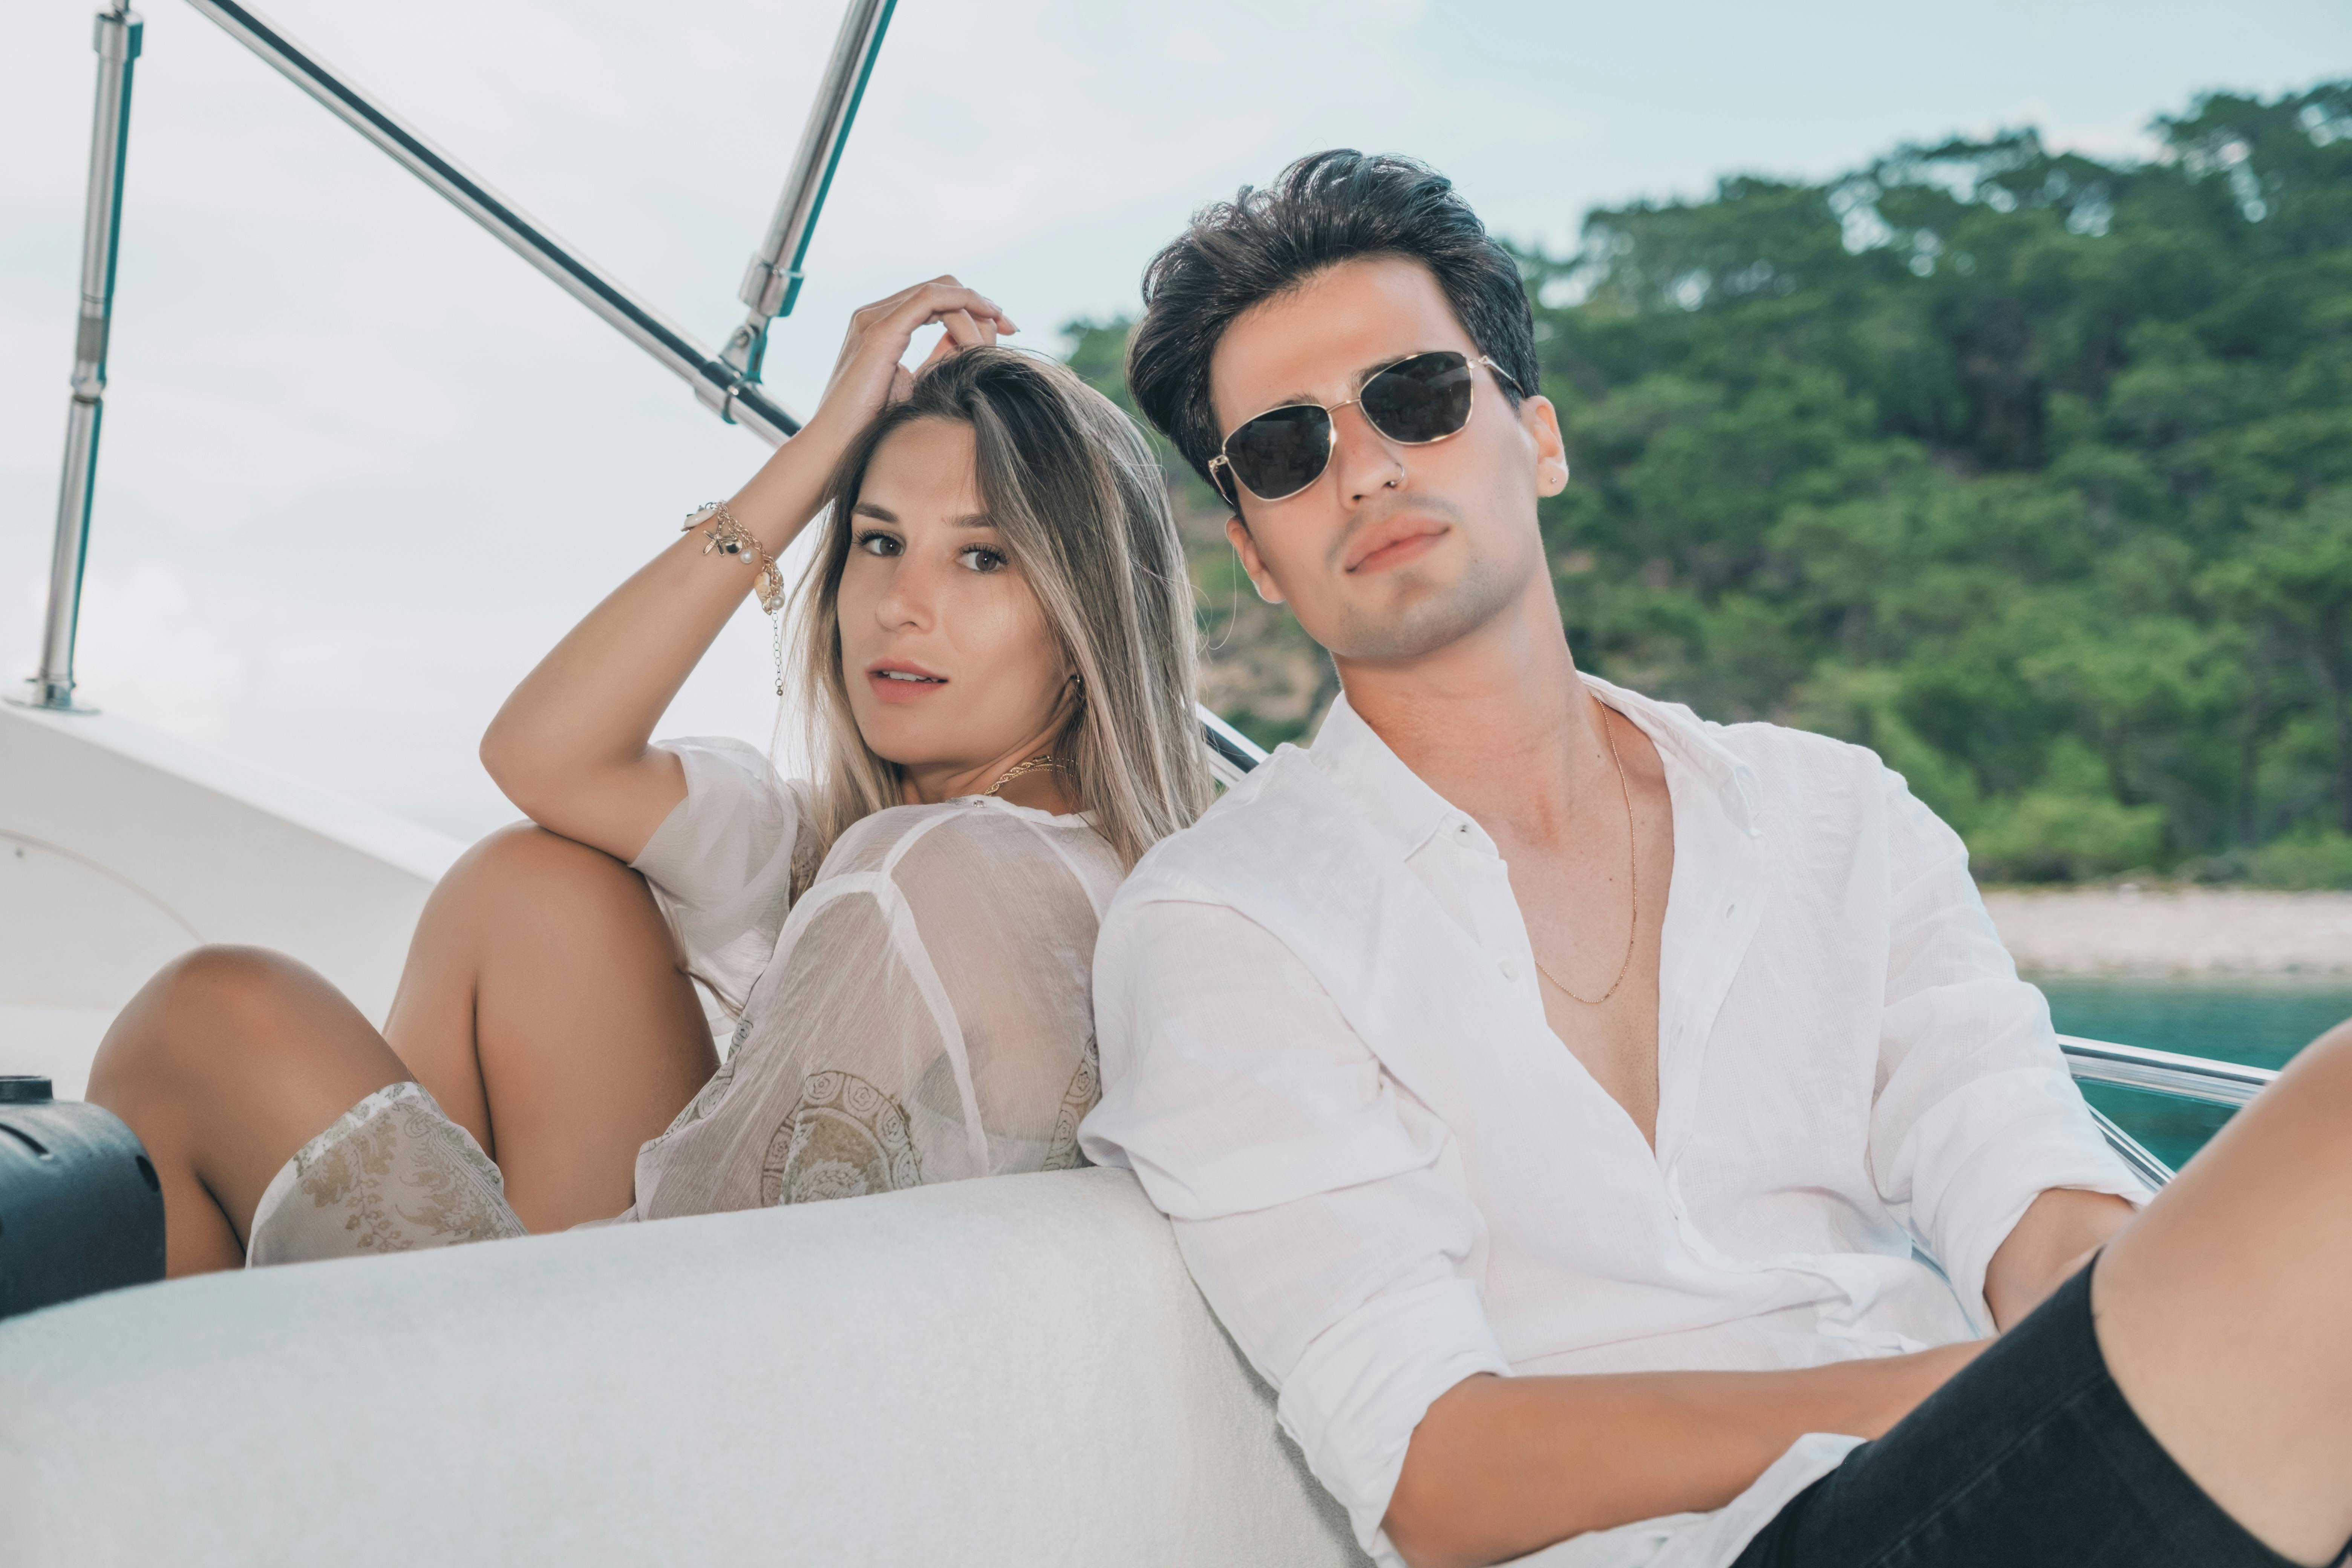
(995, 659)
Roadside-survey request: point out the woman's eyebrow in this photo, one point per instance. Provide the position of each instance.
(884, 514)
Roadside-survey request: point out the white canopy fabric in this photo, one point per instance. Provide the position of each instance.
(1014, 1370)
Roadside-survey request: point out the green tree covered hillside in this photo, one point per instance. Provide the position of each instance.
(2032, 472)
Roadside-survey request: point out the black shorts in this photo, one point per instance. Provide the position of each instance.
(2028, 1457)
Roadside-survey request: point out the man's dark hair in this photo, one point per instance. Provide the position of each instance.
(1326, 208)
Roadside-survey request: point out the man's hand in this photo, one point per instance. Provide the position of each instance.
(1500, 1466)
(2058, 1233)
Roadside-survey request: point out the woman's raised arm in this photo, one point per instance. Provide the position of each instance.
(569, 748)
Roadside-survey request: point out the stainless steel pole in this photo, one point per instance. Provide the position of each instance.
(733, 392)
(773, 280)
(116, 41)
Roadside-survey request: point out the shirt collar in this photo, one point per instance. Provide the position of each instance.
(1405, 811)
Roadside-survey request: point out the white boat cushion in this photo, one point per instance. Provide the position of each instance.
(1008, 1372)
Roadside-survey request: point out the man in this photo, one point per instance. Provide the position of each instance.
(1596, 1122)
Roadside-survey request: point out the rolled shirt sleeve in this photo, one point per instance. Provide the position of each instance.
(1321, 1209)
(720, 864)
(1975, 1114)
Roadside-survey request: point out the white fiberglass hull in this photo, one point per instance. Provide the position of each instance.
(120, 847)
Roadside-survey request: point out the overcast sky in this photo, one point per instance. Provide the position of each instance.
(362, 465)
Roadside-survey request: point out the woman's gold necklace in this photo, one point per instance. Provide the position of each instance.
(1042, 759)
(1632, 876)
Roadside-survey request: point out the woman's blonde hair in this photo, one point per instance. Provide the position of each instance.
(1073, 493)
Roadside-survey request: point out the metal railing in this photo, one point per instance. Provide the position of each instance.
(2164, 1072)
(2201, 1079)
(2134, 1153)
(728, 384)
(734, 393)
(116, 37)
(1231, 753)
(772, 282)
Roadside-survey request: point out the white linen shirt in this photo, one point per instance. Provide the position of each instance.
(1324, 1056)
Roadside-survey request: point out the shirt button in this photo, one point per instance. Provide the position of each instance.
(1461, 831)
(1510, 970)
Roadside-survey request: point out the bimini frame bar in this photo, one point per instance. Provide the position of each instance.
(772, 282)
(733, 393)
(117, 42)
(729, 385)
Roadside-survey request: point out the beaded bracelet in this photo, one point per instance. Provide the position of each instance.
(728, 537)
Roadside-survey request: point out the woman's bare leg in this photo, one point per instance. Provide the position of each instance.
(224, 1064)
(2225, 1310)
(544, 1007)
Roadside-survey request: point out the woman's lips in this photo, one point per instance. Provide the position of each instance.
(899, 684)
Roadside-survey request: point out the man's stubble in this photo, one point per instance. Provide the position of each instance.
(1430, 619)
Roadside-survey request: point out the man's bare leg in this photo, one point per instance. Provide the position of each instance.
(224, 1064)
(544, 1007)
(2225, 1310)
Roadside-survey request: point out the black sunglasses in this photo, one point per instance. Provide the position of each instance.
(1414, 401)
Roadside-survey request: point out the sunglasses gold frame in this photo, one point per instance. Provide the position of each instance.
(1331, 426)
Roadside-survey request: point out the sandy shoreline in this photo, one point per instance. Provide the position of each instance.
(2184, 932)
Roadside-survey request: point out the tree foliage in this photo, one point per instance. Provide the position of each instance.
(2032, 471)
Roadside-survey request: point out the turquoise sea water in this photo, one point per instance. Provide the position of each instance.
(2261, 1025)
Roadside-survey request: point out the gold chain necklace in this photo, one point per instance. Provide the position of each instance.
(1042, 759)
(1632, 876)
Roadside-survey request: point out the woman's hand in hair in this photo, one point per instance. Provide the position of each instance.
(778, 500)
(868, 376)
(569, 746)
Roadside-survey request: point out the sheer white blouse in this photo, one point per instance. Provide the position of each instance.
(922, 1014)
